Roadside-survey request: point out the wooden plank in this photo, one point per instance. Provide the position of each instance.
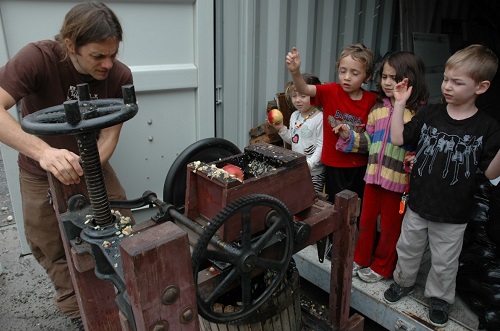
(355, 323)
(124, 322)
(347, 205)
(323, 220)
(157, 267)
(96, 297)
(273, 138)
(82, 262)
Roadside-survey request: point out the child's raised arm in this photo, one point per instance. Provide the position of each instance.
(493, 170)
(401, 94)
(293, 63)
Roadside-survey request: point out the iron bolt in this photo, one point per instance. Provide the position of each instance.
(160, 326)
(170, 294)
(187, 315)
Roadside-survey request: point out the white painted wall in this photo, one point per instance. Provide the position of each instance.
(169, 47)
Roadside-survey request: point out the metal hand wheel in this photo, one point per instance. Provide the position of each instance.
(245, 258)
(78, 116)
(83, 118)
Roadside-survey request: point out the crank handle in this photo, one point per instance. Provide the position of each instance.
(147, 199)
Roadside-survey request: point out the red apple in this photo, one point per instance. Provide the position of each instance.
(275, 116)
(234, 170)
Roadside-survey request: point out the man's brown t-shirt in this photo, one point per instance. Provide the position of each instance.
(39, 78)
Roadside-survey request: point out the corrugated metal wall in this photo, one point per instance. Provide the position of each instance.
(255, 36)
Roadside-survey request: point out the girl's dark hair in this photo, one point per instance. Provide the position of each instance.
(311, 79)
(407, 65)
(87, 23)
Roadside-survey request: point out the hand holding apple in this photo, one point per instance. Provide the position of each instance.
(275, 117)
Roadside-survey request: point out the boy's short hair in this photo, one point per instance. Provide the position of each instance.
(478, 61)
(360, 53)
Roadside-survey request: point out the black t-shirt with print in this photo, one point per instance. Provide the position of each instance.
(449, 151)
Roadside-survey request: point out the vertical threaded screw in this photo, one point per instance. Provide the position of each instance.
(94, 177)
(91, 161)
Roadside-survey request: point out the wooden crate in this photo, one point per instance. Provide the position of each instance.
(289, 181)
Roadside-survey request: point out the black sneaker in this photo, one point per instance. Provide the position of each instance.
(395, 292)
(77, 324)
(438, 312)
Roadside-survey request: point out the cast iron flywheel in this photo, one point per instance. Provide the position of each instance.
(266, 253)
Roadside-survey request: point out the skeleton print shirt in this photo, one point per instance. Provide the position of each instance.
(449, 152)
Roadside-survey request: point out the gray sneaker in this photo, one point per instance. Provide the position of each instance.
(369, 276)
(355, 268)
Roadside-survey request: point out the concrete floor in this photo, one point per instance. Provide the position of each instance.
(412, 311)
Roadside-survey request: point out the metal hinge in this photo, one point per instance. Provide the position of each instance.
(218, 94)
(402, 325)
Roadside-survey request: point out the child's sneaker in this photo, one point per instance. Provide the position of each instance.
(395, 292)
(369, 276)
(438, 312)
(355, 268)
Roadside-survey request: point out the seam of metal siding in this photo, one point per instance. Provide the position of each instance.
(268, 29)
